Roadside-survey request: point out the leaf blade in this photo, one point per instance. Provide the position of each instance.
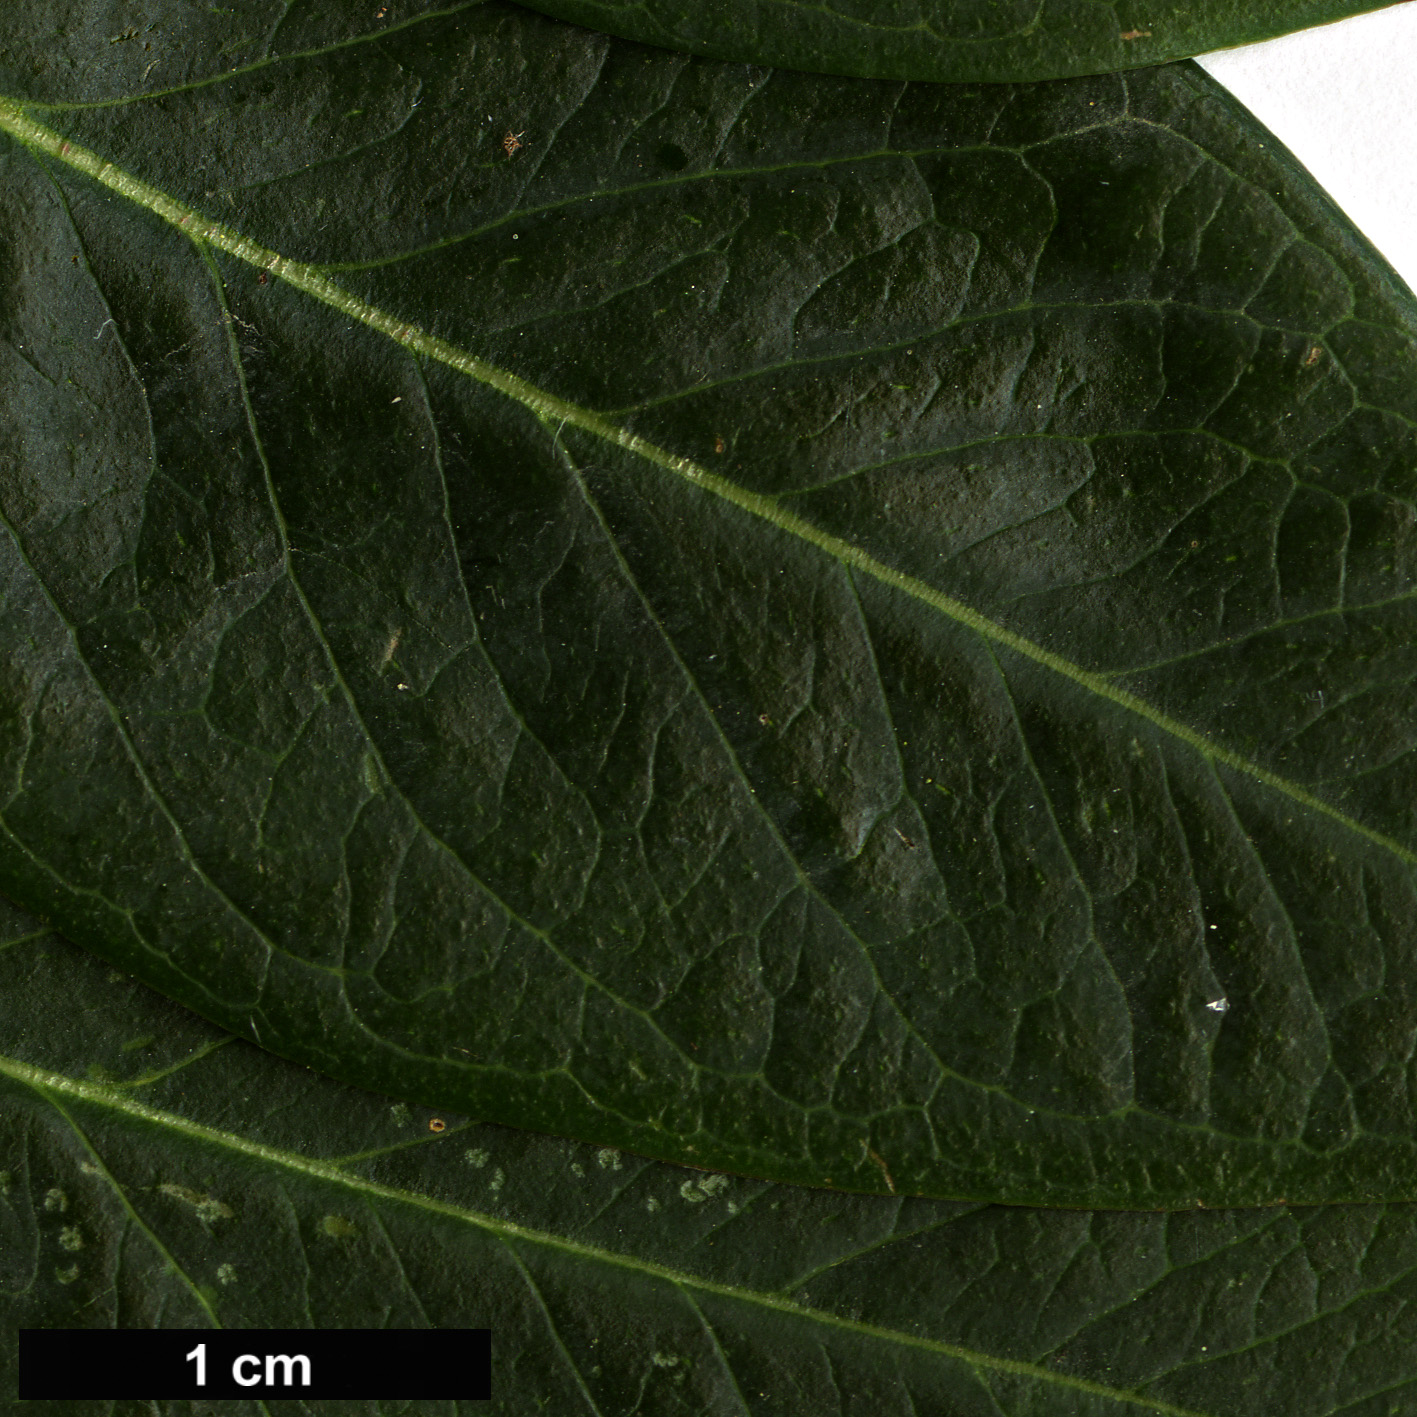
(942, 42)
(206, 1182)
(859, 933)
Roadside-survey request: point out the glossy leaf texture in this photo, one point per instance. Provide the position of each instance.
(968, 41)
(155, 1172)
(851, 633)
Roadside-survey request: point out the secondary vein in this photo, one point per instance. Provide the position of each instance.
(55, 1086)
(553, 410)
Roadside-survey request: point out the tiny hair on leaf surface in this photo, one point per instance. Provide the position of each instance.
(959, 41)
(848, 632)
(202, 1182)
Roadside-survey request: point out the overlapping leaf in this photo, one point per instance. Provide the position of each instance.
(853, 633)
(157, 1172)
(956, 40)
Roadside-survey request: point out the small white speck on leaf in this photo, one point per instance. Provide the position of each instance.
(1218, 1006)
(652, 1204)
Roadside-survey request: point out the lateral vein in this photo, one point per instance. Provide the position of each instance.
(53, 1086)
(552, 409)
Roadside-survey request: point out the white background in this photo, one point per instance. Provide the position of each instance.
(1343, 99)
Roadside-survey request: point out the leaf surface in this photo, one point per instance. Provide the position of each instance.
(970, 41)
(155, 1172)
(850, 632)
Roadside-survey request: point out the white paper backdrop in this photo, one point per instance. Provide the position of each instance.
(1343, 99)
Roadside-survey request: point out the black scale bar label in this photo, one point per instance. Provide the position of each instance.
(148, 1364)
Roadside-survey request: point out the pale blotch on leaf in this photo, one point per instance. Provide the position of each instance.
(89, 1169)
(226, 1274)
(208, 1208)
(6, 1181)
(577, 1169)
(70, 1238)
(399, 1112)
(702, 1189)
(498, 1180)
(664, 1360)
(338, 1226)
(372, 780)
(67, 1276)
(475, 1157)
(608, 1159)
(55, 1199)
(652, 1204)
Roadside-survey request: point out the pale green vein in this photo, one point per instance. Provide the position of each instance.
(429, 1139)
(241, 70)
(559, 412)
(205, 1051)
(55, 1086)
(95, 1160)
(39, 934)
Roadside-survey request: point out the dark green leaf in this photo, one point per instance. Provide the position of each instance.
(849, 633)
(971, 41)
(158, 1173)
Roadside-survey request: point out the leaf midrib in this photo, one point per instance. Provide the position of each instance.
(553, 410)
(55, 1086)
